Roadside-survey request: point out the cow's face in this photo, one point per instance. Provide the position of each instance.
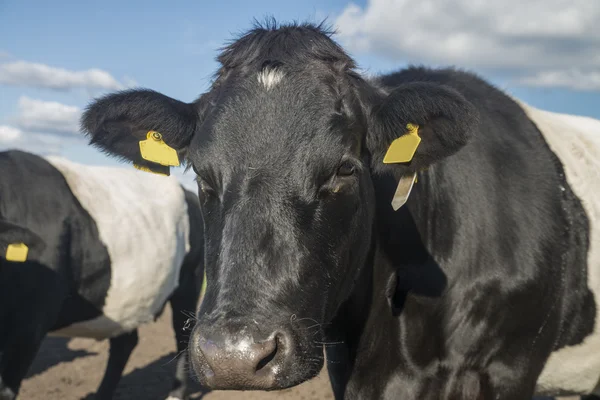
(284, 145)
(287, 201)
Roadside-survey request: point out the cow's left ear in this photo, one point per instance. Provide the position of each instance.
(142, 126)
(418, 124)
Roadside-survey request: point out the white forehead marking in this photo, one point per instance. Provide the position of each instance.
(270, 77)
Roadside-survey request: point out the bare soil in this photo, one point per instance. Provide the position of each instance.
(71, 369)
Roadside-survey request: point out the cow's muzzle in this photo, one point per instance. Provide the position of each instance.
(243, 360)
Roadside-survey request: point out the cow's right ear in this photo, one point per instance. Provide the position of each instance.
(141, 125)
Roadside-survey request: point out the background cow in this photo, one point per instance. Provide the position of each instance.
(484, 285)
(107, 249)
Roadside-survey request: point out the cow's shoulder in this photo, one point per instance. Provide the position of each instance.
(468, 83)
(36, 195)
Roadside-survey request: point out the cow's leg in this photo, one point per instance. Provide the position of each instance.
(338, 368)
(183, 303)
(6, 393)
(26, 331)
(21, 348)
(119, 353)
(511, 380)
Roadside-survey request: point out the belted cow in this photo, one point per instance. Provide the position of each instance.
(440, 239)
(90, 251)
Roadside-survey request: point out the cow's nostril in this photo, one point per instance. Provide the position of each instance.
(266, 360)
(239, 362)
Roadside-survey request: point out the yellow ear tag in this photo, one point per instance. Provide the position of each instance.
(17, 252)
(403, 148)
(156, 150)
(403, 190)
(159, 169)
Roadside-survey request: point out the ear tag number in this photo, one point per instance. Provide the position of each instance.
(156, 150)
(403, 148)
(403, 190)
(17, 252)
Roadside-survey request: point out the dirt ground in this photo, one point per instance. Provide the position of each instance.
(71, 369)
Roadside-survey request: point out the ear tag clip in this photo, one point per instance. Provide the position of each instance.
(157, 169)
(17, 252)
(403, 190)
(403, 148)
(154, 149)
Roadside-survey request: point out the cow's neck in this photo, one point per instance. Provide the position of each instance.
(369, 323)
(423, 229)
(352, 339)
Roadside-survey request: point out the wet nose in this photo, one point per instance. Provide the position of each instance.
(238, 362)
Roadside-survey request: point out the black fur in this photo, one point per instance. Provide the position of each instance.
(461, 294)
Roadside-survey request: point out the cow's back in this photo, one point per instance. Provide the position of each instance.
(142, 219)
(35, 196)
(576, 142)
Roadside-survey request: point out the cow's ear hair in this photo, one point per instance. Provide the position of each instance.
(118, 122)
(442, 118)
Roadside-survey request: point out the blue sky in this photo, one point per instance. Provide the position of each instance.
(48, 49)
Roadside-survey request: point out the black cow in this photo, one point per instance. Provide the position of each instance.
(106, 249)
(483, 285)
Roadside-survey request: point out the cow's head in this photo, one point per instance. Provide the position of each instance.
(284, 146)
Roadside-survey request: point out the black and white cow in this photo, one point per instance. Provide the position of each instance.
(484, 285)
(107, 248)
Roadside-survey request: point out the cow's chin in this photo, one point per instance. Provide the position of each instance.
(303, 361)
(300, 367)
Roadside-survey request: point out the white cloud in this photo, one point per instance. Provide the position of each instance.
(9, 134)
(47, 116)
(14, 138)
(24, 73)
(522, 38)
(574, 79)
(41, 127)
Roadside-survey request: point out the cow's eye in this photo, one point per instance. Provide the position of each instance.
(341, 179)
(346, 169)
(205, 187)
(205, 190)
